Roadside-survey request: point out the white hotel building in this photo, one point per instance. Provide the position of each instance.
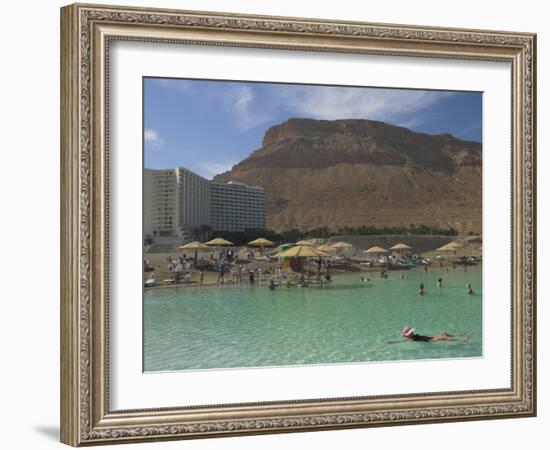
(175, 201)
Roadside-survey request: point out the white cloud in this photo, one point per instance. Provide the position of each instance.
(152, 138)
(397, 106)
(332, 103)
(209, 169)
(251, 105)
(241, 102)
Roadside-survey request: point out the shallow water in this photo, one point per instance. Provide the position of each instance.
(345, 321)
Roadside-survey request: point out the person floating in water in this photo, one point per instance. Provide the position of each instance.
(439, 282)
(469, 289)
(421, 289)
(410, 334)
(365, 280)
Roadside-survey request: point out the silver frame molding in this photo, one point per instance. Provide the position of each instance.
(86, 32)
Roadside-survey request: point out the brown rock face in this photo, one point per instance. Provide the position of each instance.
(362, 172)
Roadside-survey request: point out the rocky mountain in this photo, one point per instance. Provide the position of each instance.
(363, 172)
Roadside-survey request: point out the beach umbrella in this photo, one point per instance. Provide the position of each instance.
(219, 242)
(326, 248)
(305, 242)
(301, 251)
(341, 245)
(261, 242)
(376, 250)
(450, 247)
(400, 247)
(195, 245)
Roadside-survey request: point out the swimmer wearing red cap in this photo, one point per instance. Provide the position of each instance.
(410, 333)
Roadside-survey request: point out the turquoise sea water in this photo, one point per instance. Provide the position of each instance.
(345, 321)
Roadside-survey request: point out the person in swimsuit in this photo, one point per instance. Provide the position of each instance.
(421, 289)
(410, 333)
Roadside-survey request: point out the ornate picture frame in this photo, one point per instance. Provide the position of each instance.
(87, 32)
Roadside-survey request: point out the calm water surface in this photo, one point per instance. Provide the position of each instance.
(345, 321)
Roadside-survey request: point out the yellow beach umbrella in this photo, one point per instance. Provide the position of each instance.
(301, 251)
(326, 248)
(261, 242)
(195, 245)
(401, 247)
(305, 242)
(450, 247)
(342, 245)
(219, 242)
(376, 250)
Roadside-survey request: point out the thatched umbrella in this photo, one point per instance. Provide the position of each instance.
(301, 251)
(342, 244)
(219, 242)
(305, 242)
(401, 247)
(376, 250)
(450, 247)
(326, 248)
(195, 245)
(261, 242)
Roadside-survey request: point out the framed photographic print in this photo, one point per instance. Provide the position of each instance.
(275, 224)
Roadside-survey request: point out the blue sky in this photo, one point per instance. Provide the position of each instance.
(207, 126)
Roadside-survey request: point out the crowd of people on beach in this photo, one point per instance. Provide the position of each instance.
(244, 267)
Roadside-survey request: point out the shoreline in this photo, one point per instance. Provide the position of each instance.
(160, 263)
(265, 282)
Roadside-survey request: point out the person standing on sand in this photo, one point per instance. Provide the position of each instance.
(201, 277)
(221, 274)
